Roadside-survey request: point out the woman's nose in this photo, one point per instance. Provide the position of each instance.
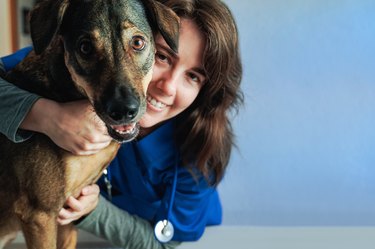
(168, 83)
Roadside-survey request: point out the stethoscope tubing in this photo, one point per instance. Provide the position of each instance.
(163, 229)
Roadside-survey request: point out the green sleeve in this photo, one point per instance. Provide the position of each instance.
(15, 103)
(122, 229)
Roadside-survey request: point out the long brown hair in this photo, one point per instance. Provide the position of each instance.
(204, 132)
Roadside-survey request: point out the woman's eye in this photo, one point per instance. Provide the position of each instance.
(138, 43)
(162, 58)
(194, 77)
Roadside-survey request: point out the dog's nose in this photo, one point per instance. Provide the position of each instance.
(120, 116)
(123, 110)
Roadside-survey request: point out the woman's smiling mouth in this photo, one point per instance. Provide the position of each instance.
(155, 103)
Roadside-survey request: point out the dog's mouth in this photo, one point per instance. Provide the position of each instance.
(123, 133)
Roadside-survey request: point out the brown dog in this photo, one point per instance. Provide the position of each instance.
(98, 50)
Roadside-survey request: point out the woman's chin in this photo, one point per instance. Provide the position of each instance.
(148, 121)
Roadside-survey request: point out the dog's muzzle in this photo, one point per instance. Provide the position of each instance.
(123, 133)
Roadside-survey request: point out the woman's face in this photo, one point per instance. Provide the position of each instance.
(177, 78)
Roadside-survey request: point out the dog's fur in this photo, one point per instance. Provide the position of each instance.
(98, 50)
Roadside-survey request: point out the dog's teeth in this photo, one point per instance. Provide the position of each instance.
(126, 131)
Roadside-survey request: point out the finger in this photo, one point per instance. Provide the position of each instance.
(74, 204)
(66, 216)
(63, 212)
(96, 137)
(100, 145)
(101, 139)
(79, 152)
(84, 152)
(89, 148)
(91, 190)
(63, 222)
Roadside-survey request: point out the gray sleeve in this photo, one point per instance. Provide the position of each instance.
(15, 103)
(121, 228)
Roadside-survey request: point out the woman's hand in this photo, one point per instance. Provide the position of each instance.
(73, 126)
(83, 205)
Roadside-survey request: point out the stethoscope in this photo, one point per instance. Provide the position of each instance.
(163, 229)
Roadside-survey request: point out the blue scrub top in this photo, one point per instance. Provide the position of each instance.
(142, 177)
(10, 61)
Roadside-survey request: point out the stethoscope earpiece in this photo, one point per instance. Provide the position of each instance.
(164, 231)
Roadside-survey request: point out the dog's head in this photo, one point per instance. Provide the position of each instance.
(108, 50)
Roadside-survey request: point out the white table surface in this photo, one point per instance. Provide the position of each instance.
(248, 237)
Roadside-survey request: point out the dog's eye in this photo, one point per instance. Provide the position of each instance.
(138, 43)
(85, 47)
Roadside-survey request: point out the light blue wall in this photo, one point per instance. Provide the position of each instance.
(306, 135)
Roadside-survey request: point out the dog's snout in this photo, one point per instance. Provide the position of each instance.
(124, 109)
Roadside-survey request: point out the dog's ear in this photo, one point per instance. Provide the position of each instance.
(45, 20)
(164, 20)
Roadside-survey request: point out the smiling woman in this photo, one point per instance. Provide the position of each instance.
(177, 77)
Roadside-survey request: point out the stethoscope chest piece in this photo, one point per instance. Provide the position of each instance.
(164, 231)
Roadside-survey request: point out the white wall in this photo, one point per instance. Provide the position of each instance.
(5, 43)
(24, 39)
(5, 26)
(306, 135)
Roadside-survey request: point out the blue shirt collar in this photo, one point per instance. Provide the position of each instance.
(159, 147)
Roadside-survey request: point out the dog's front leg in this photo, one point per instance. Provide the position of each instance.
(40, 230)
(67, 237)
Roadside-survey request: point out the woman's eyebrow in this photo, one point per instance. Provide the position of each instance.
(200, 70)
(168, 49)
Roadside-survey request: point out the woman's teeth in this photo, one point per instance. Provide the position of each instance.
(155, 103)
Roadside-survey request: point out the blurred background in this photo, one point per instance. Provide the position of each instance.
(305, 137)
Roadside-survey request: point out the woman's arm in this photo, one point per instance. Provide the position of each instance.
(107, 221)
(73, 126)
(121, 228)
(196, 205)
(15, 103)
